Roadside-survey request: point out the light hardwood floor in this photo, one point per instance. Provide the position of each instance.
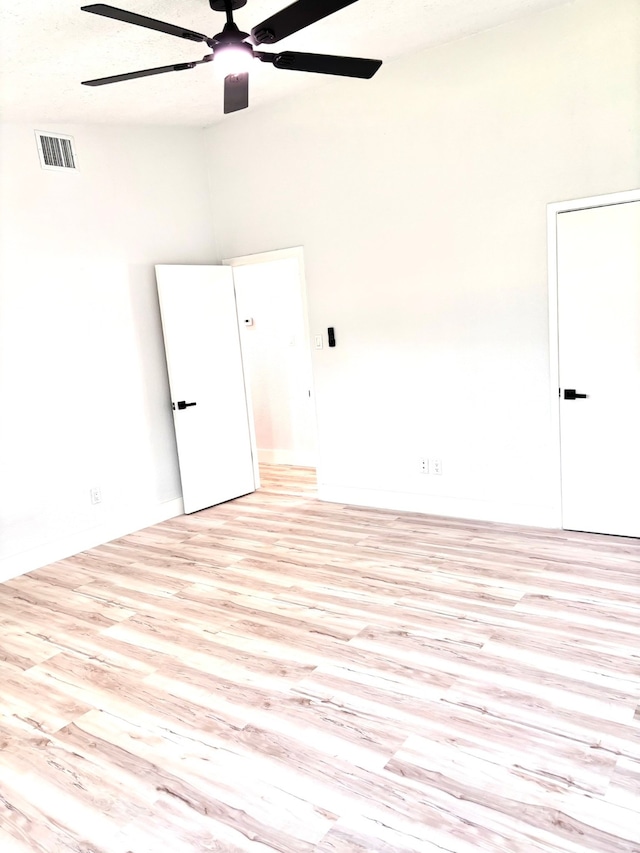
(280, 674)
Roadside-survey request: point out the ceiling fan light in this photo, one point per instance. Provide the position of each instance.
(232, 59)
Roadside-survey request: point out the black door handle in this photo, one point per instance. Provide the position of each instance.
(182, 404)
(571, 394)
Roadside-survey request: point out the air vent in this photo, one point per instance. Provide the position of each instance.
(56, 152)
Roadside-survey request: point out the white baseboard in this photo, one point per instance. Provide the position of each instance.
(507, 513)
(302, 459)
(51, 552)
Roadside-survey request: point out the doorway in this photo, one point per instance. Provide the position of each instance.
(594, 303)
(275, 342)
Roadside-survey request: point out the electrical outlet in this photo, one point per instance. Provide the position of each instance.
(96, 495)
(423, 466)
(318, 339)
(435, 466)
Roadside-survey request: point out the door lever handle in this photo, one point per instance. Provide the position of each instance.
(182, 404)
(572, 394)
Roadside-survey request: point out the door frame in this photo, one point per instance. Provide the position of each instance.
(553, 210)
(296, 253)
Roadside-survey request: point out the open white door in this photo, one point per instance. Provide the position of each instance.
(202, 344)
(599, 361)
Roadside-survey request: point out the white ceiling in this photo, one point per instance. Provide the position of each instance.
(47, 48)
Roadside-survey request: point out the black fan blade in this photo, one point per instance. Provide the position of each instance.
(143, 21)
(236, 92)
(295, 17)
(181, 66)
(321, 63)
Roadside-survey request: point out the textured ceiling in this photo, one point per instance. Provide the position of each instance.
(47, 48)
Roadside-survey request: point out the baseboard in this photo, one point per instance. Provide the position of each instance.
(121, 525)
(507, 513)
(302, 459)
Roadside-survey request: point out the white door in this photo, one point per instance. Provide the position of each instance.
(202, 344)
(599, 362)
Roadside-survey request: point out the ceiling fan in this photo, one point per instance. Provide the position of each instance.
(232, 50)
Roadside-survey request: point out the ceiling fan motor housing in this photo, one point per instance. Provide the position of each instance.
(237, 47)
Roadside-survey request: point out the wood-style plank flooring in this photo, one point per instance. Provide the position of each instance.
(280, 674)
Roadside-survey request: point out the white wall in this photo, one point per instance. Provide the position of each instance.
(420, 197)
(82, 378)
(276, 358)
